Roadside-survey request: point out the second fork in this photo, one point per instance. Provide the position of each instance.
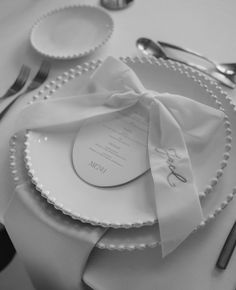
(36, 82)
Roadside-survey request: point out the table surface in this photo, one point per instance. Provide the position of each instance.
(205, 26)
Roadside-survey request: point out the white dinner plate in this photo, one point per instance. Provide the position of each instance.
(71, 31)
(146, 236)
(48, 155)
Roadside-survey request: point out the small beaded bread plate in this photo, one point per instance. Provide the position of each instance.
(71, 31)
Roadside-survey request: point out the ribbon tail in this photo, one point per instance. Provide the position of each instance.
(63, 112)
(177, 202)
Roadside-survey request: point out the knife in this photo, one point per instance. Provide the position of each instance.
(227, 249)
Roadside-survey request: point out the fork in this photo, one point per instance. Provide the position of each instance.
(19, 82)
(39, 78)
(36, 82)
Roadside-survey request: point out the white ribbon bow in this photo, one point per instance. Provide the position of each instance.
(115, 87)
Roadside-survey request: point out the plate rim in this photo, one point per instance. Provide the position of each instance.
(73, 73)
(73, 55)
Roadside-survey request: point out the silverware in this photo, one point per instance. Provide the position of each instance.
(18, 83)
(36, 82)
(116, 5)
(227, 249)
(149, 48)
(229, 69)
(39, 78)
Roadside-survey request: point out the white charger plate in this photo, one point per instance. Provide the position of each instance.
(138, 238)
(71, 31)
(129, 205)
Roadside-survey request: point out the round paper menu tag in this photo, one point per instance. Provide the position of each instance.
(113, 150)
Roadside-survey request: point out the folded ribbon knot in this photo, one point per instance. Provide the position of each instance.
(172, 119)
(147, 98)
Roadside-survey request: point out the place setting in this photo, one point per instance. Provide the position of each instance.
(116, 157)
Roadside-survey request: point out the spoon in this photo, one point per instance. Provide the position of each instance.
(229, 69)
(149, 48)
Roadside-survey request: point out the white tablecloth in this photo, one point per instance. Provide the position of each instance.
(206, 26)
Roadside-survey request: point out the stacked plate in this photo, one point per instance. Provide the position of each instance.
(62, 192)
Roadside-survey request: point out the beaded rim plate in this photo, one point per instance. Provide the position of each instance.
(122, 239)
(82, 206)
(63, 33)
